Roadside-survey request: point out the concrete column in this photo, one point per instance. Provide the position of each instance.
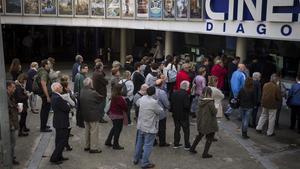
(241, 48)
(168, 43)
(123, 46)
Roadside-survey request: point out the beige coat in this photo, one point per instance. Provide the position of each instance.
(218, 96)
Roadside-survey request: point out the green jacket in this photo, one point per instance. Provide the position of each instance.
(206, 116)
(78, 83)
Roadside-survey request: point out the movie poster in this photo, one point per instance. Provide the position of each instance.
(169, 9)
(142, 8)
(113, 8)
(48, 7)
(14, 6)
(196, 8)
(65, 7)
(128, 8)
(31, 7)
(98, 7)
(82, 7)
(1, 7)
(155, 9)
(182, 9)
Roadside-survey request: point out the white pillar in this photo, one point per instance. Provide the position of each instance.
(168, 43)
(241, 48)
(123, 46)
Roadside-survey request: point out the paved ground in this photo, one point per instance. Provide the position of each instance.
(230, 152)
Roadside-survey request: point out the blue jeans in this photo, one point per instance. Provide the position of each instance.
(143, 147)
(245, 118)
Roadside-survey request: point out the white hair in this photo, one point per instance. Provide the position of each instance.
(256, 76)
(54, 86)
(78, 57)
(88, 82)
(184, 85)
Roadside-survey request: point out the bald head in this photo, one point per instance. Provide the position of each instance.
(242, 67)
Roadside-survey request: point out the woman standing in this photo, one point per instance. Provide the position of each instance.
(170, 73)
(21, 96)
(33, 97)
(137, 77)
(199, 84)
(247, 98)
(217, 94)
(15, 68)
(129, 92)
(206, 122)
(117, 114)
(219, 71)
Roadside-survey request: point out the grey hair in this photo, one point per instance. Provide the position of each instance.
(54, 86)
(256, 76)
(274, 77)
(78, 57)
(184, 85)
(88, 82)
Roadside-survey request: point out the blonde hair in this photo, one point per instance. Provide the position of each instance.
(212, 81)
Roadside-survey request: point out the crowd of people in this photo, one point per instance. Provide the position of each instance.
(152, 89)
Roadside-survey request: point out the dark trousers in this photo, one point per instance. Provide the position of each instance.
(44, 113)
(295, 116)
(170, 88)
(162, 131)
(79, 117)
(254, 116)
(61, 139)
(277, 116)
(22, 122)
(115, 132)
(129, 105)
(69, 132)
(185, 125)
(209, 139)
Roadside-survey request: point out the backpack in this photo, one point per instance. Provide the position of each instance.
(36, 85)
(172, 73)
(124, 88)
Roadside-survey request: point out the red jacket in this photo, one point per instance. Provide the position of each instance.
(118, 108)
(220, 72)
(181, 76)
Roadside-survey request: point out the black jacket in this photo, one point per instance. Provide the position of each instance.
(100, 83)
(247, 99)
(138, 80)
(61, 111)
(91, 105)
(180, 105)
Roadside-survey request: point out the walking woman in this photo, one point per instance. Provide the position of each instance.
(198, 85)
(117, 113)
(206, 122)
(247, 98)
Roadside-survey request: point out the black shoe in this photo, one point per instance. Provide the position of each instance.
(26, 129)
(176, 146)
(135, 162)
(187, 148)
(86, 149)
(206, 156)
(118, 147)
(214, 140)
(164, 145)
(148, 166)
(259, 131)
(102, 121)
(245, 136)
(193, 151)
(15, 162)
(48, 127)
(69, 148)
(108, 144)
(95, 151)
(227, 116)
(46, 130)
(21, 134)
(64, 159)
(56, 162)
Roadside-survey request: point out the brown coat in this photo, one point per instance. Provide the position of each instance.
(206, 117)
(13, 113)
(271, 96)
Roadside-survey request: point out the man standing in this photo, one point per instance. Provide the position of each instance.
(99, 84)
(44, 82)
(61, 123)
(13, 117)
(270, 101)
(237, 82)
(163, 101)
(76, 66)
(147, 128)
(78, 85)
(180, 105)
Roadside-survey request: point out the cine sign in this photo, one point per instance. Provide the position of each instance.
(275, 19)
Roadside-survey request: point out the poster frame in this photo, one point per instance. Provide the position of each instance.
(65, 15)
(75, 10)
(163, 16)
(113, 17)
(3, 7)
(162, 10)
(97, 16)
(51, 15)
(134, 13)
(13, 14)
(23, 6)
(202, 12)
(187, 14)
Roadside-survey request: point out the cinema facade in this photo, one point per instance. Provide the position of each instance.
(236, 27)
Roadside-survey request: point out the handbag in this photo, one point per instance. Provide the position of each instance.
(234, 103)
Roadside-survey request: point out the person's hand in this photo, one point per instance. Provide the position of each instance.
(48, 99)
